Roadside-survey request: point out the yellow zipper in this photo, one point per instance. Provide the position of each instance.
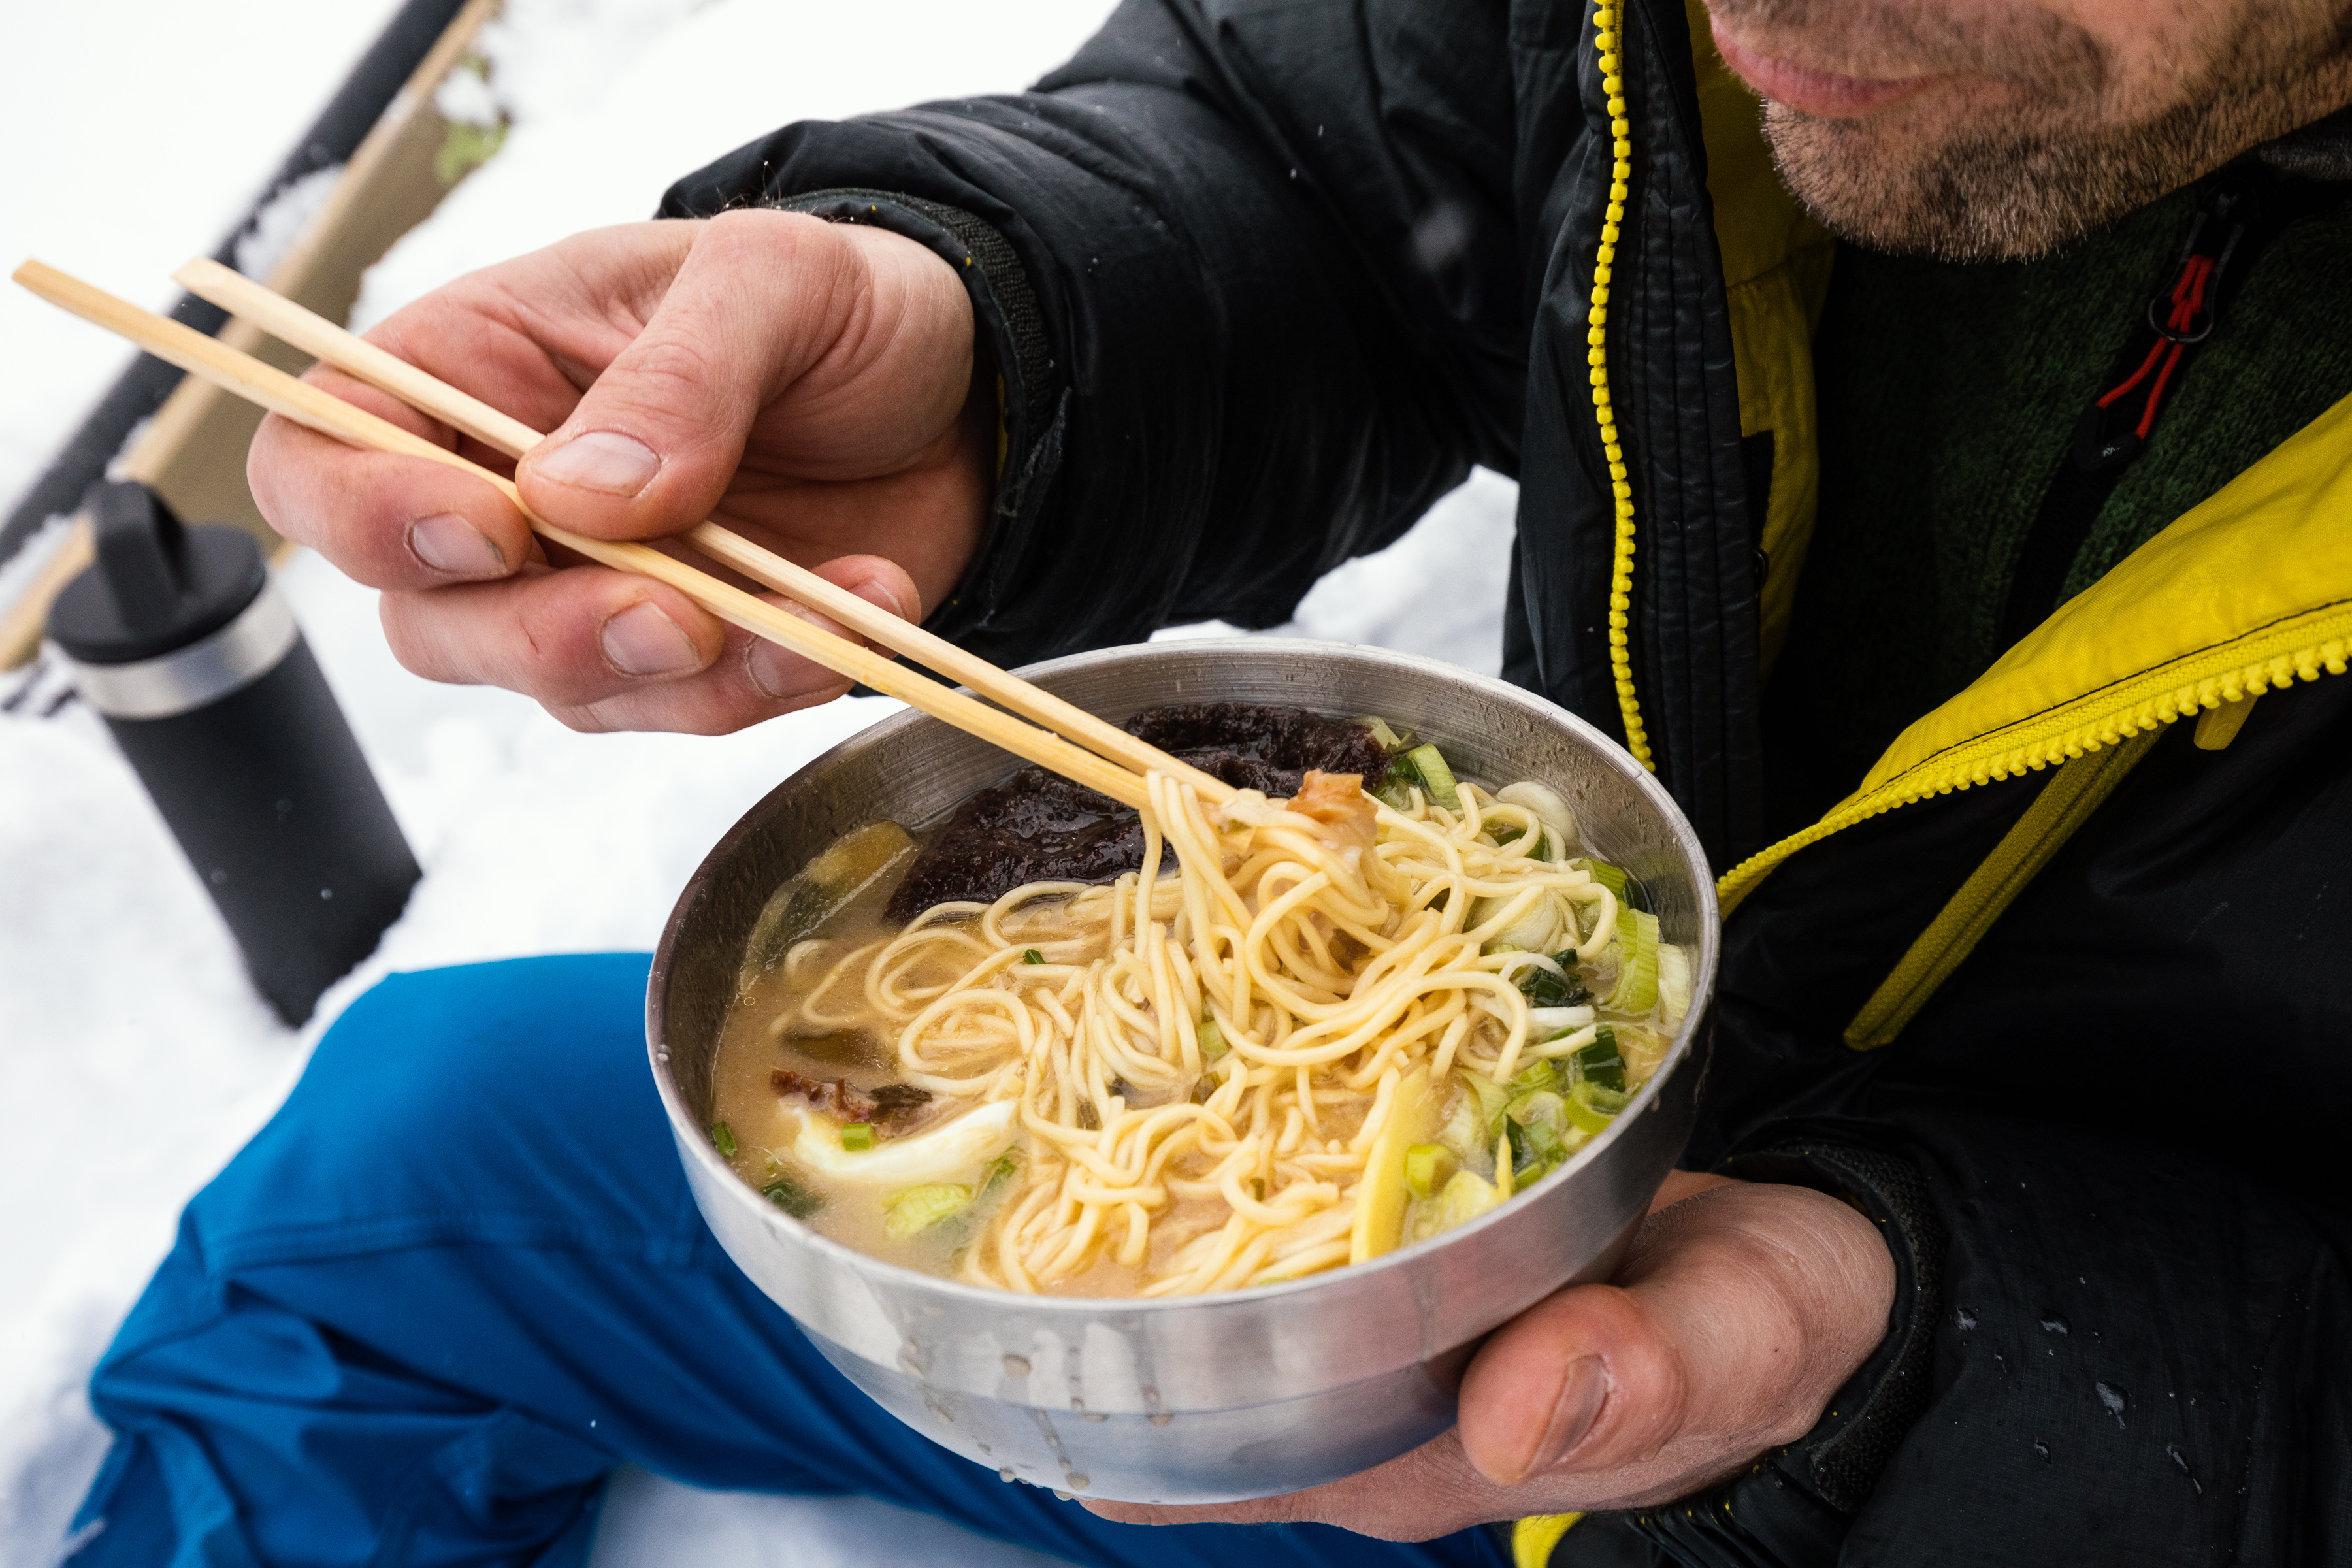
(1596, 357)
(1532, 1539)
(2300, 647)
(2064, 803)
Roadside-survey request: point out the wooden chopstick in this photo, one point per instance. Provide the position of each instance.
(355, 356)
(306, 404)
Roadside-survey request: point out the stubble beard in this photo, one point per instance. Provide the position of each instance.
(2062, 157)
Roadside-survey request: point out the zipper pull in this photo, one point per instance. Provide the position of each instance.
(2181, 314)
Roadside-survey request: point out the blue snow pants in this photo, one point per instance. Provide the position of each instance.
(458, 1278)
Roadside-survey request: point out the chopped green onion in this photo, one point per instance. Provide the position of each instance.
(1600, 1062)
(1550, 808)
(1536, 1124)
(1465, 1197)
(1002, 1169)
(1674, 983)
(1551, 1024)
(1591, 1106)
(1621, 884)
(1543, 988)
(1427, 1168)
(1536, 1076)
(1491, 1097)
(858, 1136)
(792, 1197)
(1212, 1038)
(1435, 777)
(919, 1208)
(1637, 970)
(1390, 740)
(723, 1138)
(1031, 955)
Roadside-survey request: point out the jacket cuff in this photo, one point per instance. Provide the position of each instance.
(1032, 404)
(1792, 1508)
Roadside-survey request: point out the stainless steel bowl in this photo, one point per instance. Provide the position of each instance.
(1205, 1398)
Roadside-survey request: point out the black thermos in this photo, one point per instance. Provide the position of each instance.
(177, 636)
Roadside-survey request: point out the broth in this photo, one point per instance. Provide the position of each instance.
(1067, 1088)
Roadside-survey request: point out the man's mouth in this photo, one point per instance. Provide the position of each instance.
(1811, 92)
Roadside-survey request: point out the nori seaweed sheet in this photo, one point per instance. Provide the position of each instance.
(1037, 826)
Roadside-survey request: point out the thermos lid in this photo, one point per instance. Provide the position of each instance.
(157, 586)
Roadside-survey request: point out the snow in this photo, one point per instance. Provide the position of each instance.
(138, 132)
(282, 220)
(118, 1099)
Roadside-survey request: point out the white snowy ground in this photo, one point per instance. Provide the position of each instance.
(133, 1057)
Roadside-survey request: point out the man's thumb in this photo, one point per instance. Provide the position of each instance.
(1585, 1374)
(655, 441)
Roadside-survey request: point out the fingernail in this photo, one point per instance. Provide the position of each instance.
(602, 460)
(880, 595)
(776, 670)
(772, 670)
(641, 640)
(1583, 1388)
(448, 542)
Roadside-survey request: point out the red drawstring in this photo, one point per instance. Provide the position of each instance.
(2187, 303)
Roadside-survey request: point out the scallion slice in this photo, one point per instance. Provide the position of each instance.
(919, 1208)
(1637, 967)
(1213, 1038)
(1435, 777)
(1600, 1062)
(1427, 1168)
(792, 1197)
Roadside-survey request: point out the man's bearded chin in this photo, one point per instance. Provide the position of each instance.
(1987, 192)
(2066, 150)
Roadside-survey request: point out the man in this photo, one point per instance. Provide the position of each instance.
(1975, 583)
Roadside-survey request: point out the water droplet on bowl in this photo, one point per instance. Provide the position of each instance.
(1060, 1493)
(1077, 1482)
(1016, 1366)
(2055, 1324)
(1159, 1417)
(2114, 1399)
(2042, 1450)
(1966, 1318)
(1004, 1472)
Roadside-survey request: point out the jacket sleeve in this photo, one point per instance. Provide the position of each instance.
(2125, 1358)
(1251, 279)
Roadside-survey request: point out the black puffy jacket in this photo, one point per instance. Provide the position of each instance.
(1263, 280)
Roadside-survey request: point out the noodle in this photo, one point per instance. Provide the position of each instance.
(1201, 1066)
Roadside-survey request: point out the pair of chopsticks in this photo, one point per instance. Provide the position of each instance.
(1104, 758)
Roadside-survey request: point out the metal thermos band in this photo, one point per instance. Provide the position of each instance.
(187, 678)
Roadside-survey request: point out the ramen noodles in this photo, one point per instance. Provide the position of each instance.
(1297, 1034)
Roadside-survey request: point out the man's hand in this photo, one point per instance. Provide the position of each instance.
(1739, 1309)
(803, 382)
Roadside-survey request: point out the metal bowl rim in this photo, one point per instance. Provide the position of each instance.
(983, 1297)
